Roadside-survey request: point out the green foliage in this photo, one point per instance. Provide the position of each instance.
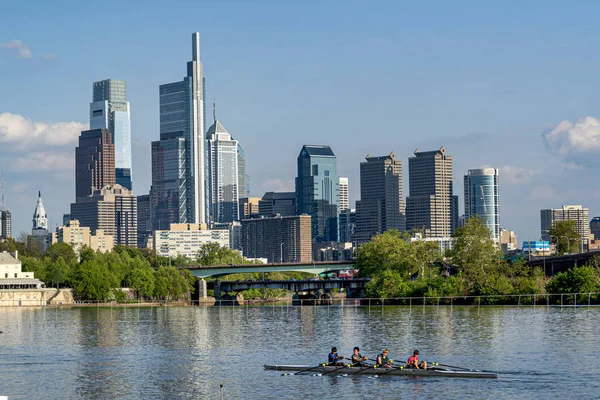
(63, 250)
(387, 284)
(58, 272)
(576, 280)
(93, 281)
(141, 279)
(171, 283)
(566, 236)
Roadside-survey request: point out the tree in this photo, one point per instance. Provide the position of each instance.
(64, 250)
(141, 280)
(576, 280)
(475, 253)
(93, 281)
(385, 251)
(387, 284)
(566, 236)
(212, 253)
(57, 272)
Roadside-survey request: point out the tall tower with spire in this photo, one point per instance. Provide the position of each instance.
(179, 159)
(224, 173)
(39, 233)
(40, 218)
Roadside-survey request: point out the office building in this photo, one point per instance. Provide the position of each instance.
(77, 236)
(567, 213)
(110, 110)
(40, 236)
(595, 227)
(277, 203)
(248, 207)
(187, 239)
(278, 239)
(317, 191)
(223, 174)
(508, 240)
(481, 198)
(94, 162)
(5, 224)
(381, 206)
(431, 205)
(347, 222)
(113, 209)
(343, 186)
(144, 221)
(243, 178)
(183, 153)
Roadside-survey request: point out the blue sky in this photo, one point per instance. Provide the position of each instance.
(491, 81)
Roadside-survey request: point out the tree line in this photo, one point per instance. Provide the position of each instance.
(400, 267)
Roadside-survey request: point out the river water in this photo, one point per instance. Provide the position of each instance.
(187, 352)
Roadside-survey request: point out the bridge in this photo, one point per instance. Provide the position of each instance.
(320, 267)
(557, 264)
(353, 287)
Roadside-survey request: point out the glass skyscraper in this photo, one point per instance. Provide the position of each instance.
(481, 198)
(110, 110)
(224, 175)
(317, 191)
(182, 122)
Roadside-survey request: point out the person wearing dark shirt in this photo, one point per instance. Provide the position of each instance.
(357, 358)
(383, 360)
(334, 358)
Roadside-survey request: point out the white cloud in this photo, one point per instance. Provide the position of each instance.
(22, 49)
(575, 143)
(514, 175)
(25, 134)
(277, 185)
(44, 161)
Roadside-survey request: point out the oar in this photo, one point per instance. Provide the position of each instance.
(304, 370)
(364, 368)
(392, 370)
(337, 369)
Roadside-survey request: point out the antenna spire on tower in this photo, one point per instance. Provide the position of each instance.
(2, 206)
(214, 110)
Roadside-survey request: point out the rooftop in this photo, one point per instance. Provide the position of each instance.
(320, 151)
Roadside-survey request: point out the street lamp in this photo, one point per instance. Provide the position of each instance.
(281, 248)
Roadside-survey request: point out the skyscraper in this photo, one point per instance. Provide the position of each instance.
(481, 198)
(110, 110)
(5, 217)
(144, 221)
(431, 205)
(317, 191)
(243, 178)
(343, 184)
(381, 206)
(273, 203)
(182, 115)
(567, 213)
(94, 162)
(223, 177)
(112, 209)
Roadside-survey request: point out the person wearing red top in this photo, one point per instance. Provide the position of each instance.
(413, 361)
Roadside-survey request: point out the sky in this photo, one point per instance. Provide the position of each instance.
(506, 84)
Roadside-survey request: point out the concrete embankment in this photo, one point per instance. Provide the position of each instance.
(35, 297)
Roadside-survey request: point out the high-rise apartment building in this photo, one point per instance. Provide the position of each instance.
(431, 205)
(223, 174)
(567, 213)
(76, 235)
(144, 221)
(317, 191)
(481, 198)
(347, 222)
(187, 239)
(277, 203)
(278, 239)
(94, 162)
(381, 206)
(343, 185)
(595, 227)
(182, 125)
(110, 110)
(5, 224)
(113, 209)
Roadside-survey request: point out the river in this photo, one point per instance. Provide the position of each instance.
(187, 352)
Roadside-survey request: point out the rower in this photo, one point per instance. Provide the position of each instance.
(413, 361)
(334, 358)
(383, 360)
(357, 358)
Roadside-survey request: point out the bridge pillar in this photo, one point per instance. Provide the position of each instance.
(202, 289)
(217, 289)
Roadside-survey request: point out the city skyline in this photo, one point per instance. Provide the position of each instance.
(504, 116)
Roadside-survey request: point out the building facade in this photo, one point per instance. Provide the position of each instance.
(113, 209)
(277, 203)
(187, 239)
(39, 232)
(567, 213)
(243, 178)
(343, 186)
(77, 236)
(12, 277)
(381, 206)
(223, 175)
(110, 110)
(595, 227)
(508, 240)
(5, 224)
(431, 205)
(481, 198)
(317, 191)
(144, 221)
(182, 116)
(248, 207)
(278, 239)
(347, 219)
(94, 162)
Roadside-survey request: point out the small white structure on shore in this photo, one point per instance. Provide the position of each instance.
(12, 276)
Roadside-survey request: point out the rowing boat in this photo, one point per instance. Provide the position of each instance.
(434, 371)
